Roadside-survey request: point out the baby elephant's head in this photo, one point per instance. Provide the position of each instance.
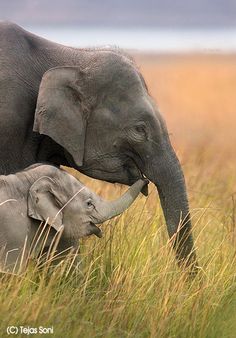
(62, 200)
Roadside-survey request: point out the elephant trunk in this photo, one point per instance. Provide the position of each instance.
(169, 180)
(115, 208)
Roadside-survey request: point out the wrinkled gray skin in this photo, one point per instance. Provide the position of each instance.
(93, 113)
(46, 193)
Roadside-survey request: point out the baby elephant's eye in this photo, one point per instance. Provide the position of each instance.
(90, 204)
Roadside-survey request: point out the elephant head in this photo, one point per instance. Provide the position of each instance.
(101, 113)
(67, 204)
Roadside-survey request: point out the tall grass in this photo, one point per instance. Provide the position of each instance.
(128, 283)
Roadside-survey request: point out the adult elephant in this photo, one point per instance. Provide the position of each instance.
(89, 109)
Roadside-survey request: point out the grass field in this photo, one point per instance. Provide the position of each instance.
(129, 284)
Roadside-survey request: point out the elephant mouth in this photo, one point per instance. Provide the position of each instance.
(127, 172)
(95, 230)
(144, 190)
(132, 180)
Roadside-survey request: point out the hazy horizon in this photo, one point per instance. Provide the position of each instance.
(151, 25)
(142, 39)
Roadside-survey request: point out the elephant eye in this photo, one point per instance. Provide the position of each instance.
(139, 133)
(89, 204)
(140, 129)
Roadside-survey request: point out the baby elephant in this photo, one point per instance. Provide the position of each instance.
(45, 193)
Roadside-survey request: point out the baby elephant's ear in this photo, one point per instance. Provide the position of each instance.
(43, 202)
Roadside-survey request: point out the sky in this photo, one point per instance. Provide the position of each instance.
(121, 13)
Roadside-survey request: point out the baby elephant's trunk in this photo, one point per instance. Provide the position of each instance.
(115, 208)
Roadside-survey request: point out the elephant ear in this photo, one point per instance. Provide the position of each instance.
(60, 111)
(43, 202)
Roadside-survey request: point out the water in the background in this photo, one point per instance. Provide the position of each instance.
(153, 40)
